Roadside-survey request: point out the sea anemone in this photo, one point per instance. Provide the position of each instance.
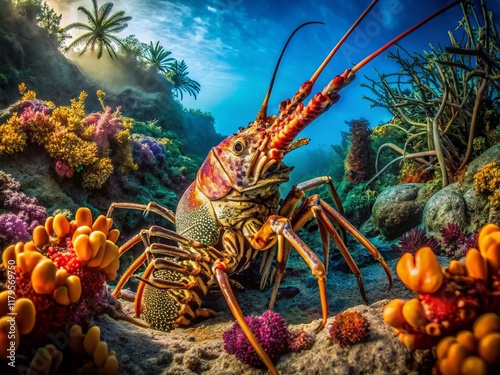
(350, 327)
(271, 332)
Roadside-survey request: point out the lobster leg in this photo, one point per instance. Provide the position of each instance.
(150, 207)
(280, 228)
(219, 269)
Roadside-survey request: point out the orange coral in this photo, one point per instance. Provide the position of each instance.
(471, 352)
(449, 299)
(59, 275)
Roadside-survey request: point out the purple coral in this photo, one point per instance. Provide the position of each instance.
(28, 214)
(12, 229)
(270, 331)
(416, 238)
(147, 151)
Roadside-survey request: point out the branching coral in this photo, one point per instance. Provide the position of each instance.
(270, 331)
(62, 272)
(443, 99)
(449, 299)
(350, 327)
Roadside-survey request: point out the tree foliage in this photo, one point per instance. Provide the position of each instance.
(178, 75)
(100, 29)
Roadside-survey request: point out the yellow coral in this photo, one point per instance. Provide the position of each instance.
(95, 175)
(25, 93)
(487, 181)
(12, 137)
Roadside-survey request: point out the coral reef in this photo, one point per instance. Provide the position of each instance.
(350, 327)
(475, 351)
(270, 331)
(449, 299)
(58, 279)
(76, 142)
(22, 213)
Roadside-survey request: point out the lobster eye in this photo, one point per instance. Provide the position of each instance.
(238, 147)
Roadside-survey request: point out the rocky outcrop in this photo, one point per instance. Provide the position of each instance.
(399, 208)
(460, 204)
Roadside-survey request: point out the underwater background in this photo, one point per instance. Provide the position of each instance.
(116, 102)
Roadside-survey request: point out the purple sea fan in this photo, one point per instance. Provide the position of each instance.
(270, 331)
(416, 238)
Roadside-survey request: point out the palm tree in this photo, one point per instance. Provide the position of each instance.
(157, 56)
(178, 76)
(100, 28)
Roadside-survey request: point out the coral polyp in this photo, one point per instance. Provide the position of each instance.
(58, 278)
(350, 327)
(449, 299)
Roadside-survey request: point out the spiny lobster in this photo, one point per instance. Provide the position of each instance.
(231, 213)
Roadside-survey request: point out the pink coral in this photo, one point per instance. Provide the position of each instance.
(270, 331)
(106, 126)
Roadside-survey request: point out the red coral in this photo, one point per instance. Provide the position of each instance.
(64, 169)
(270, 331)
(350, 327)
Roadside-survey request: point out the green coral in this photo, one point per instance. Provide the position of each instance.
(487, 182)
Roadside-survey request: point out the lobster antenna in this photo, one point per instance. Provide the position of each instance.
(263, 109)
(340, 42)
(402, 35)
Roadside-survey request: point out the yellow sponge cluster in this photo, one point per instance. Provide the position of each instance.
(91, 344)
(45, 278)
(93, 242)
(11, 328)
(471, 352)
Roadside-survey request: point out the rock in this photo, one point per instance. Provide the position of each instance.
(458, 203)
(399, 208)
(444, 207)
